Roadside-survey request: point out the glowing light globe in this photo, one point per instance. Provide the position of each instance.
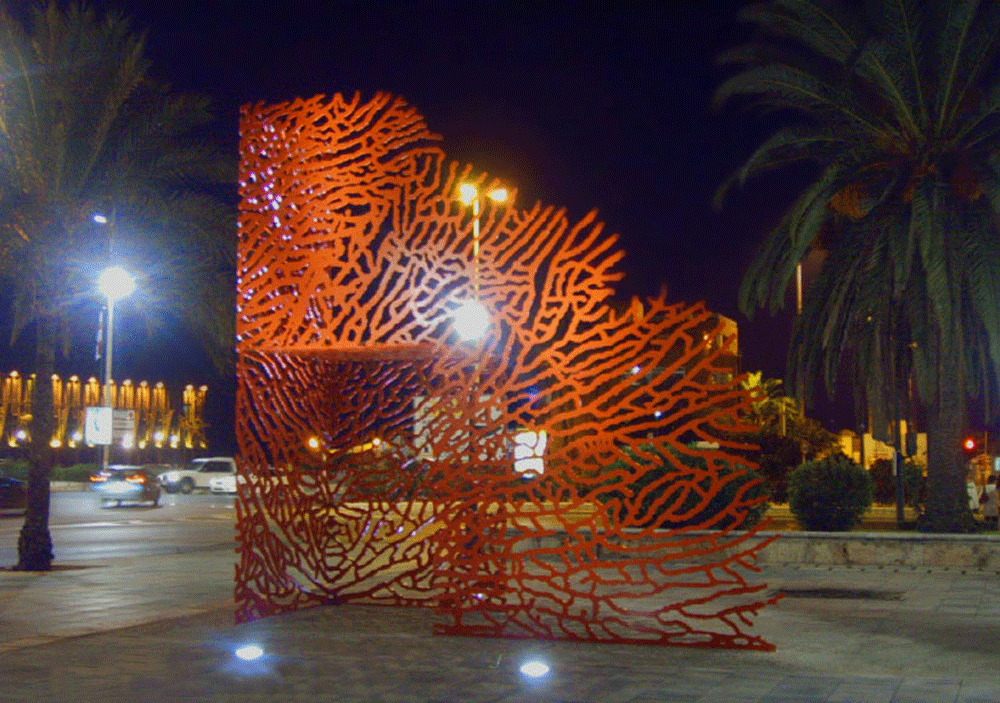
(116, 283)
(472, 320)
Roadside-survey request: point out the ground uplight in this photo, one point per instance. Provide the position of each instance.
(249, 652)
(534, 668)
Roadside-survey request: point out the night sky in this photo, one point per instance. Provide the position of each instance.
(583, 105)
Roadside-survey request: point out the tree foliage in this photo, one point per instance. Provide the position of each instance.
(895, 107)
(85, 128)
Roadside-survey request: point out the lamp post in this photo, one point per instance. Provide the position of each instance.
(114, 283)
(472, 319)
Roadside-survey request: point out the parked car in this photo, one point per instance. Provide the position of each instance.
(197, 474)
(121, 483)
(224, 483)
(13, 497)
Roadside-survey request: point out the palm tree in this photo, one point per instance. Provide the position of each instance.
(769, 408)
(84, 128)
(896, 110)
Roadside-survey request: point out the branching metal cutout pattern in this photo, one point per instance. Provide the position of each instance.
(576, 473)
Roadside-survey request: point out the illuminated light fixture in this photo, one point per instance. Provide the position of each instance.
(471, 320)
(100, 219)
(377, 442)
(159, 436)
(658, 414)
(142, 444)
(534, 668)
(116, 283)
(636, 370)
(313, 443)
(249, 652)
(467, 193)
(175, 438)
(55, 443)
(21, 435)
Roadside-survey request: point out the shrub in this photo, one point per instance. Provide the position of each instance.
(914, 484)
(14, 469)
(883, 482)
(76, 472)
(776, 457)
(830, 494)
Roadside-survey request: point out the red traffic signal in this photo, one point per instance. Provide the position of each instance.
(970, 444)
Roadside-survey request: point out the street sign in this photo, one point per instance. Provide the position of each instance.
(123, 423)
(105, 426)
(97, 426)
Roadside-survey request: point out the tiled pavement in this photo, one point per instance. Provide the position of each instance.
(918, 637)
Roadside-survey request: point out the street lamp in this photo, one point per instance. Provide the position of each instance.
(114, 283)
(472, 319)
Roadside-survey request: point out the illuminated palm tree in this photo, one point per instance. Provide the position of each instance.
(768, 407)
(897, 109)
(84, 128)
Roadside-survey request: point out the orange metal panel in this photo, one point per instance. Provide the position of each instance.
(380, 454)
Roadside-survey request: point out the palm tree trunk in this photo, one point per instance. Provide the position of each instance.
(947, 507)
(34, 546)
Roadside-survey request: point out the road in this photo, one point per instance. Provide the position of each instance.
(84, 531)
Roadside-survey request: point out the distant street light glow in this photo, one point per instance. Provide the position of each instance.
(100, 219)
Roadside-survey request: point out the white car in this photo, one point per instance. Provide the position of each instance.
(225, 483)
(197, 474)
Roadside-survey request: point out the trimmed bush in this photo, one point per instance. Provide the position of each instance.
(914, 484)
(14, 469)
(885, 483)
(76, 472)
(829, 495)
(777, 456)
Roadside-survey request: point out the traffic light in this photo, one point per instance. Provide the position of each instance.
(970, 444)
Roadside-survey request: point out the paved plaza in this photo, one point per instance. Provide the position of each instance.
(161, 629)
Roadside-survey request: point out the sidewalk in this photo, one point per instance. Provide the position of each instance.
(161, 629)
